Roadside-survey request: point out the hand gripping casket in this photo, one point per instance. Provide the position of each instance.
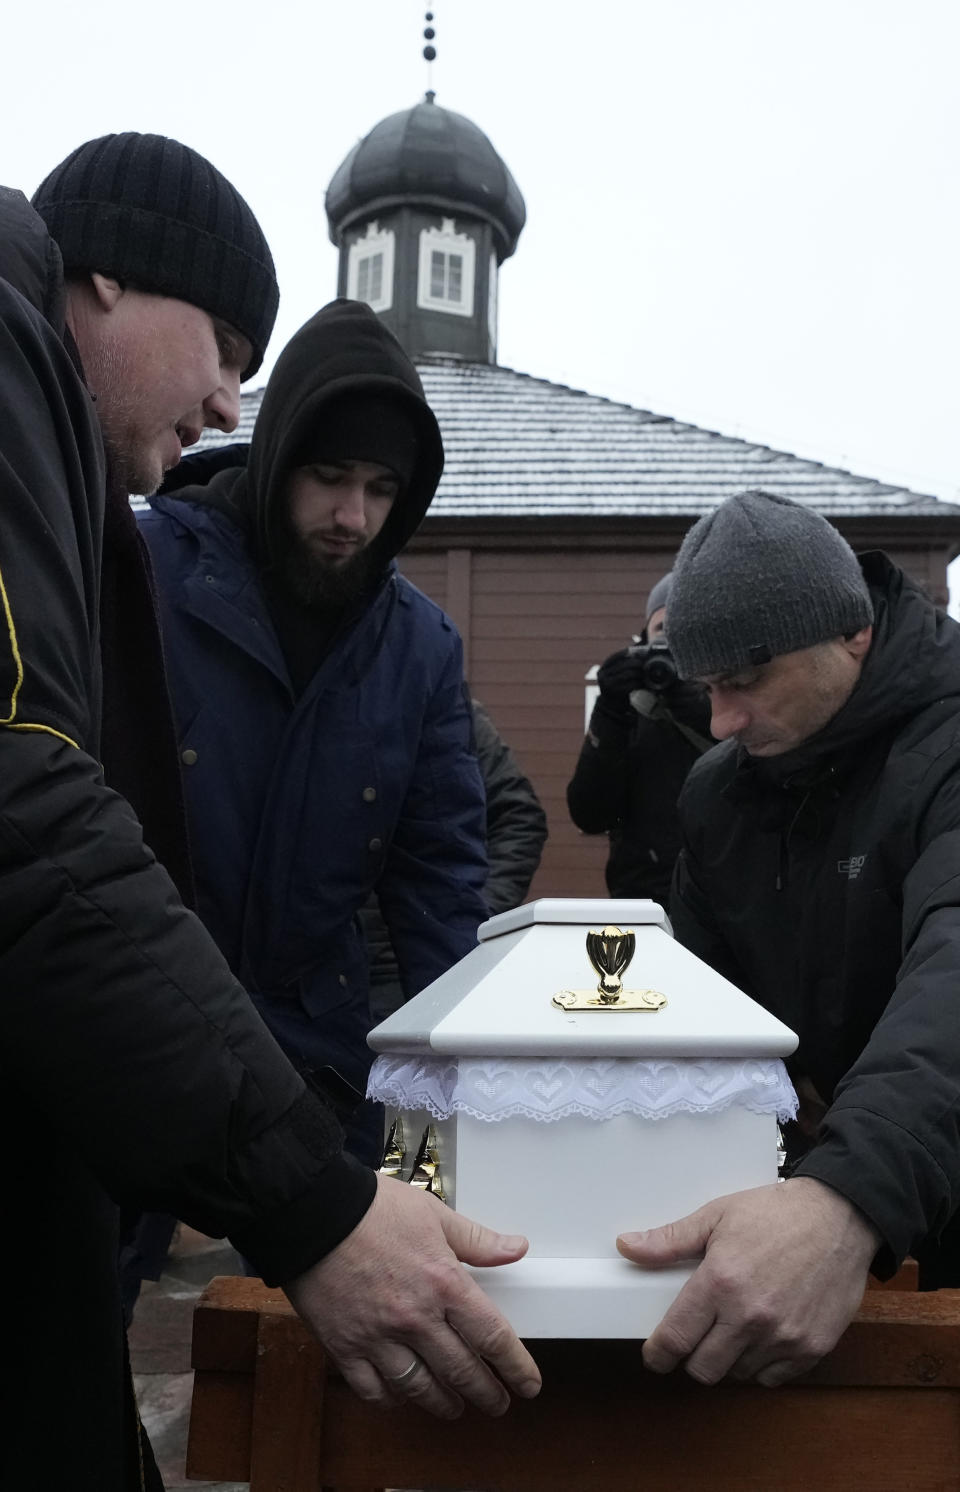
(542, 1100)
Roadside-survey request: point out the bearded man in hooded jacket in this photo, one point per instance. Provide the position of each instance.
(324, 726)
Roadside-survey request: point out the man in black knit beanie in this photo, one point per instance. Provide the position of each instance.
(134, 1067)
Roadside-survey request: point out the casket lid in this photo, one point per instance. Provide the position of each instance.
(498, 1001)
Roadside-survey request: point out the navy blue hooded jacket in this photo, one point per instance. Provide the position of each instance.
(300, 805)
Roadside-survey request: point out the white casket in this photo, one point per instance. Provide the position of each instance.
(575, 1118)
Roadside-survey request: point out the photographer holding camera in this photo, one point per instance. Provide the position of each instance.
(647, 729)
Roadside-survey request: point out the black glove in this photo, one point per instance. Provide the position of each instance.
(617, 678)
(620, 674)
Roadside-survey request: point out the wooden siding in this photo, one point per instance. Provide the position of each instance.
(540, 620)
(428, 570)
(533, 622)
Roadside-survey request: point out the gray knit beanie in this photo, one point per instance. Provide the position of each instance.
(150, 210)
(758, 577)
(658, 594)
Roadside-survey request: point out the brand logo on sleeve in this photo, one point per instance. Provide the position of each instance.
(851, 868)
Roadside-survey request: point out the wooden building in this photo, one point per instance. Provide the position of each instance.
(558, 509)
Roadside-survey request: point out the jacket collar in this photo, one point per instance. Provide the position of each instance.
(914, 660)
(223, 589)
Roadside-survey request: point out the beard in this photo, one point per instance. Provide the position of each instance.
(321, 584)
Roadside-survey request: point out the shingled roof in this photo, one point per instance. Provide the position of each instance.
(518, 446)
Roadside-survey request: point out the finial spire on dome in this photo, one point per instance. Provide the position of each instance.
(430, 53)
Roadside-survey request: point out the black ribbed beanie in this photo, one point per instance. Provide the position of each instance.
(367, 426)
(758, 577)
(150, 210)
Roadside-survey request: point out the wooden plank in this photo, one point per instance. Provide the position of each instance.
(587, 880)
(572, 866)
(225, 1329)
(637, 1437)
(578, 641)
(906, 1278)
(526, 716)
(288, 1407)
(226, 1322)
(459, 604)
(631, 563)
(221, 1421)
(545, 694)
(222, 1347)
(548, 647)
(556, 745)
(619, 614)
(879, 1414)
(489, 672)
(909, 1338)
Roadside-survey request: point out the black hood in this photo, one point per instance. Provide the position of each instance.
(343, 349)
(29, 259)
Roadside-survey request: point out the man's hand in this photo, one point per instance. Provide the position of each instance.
(400, 1317)
(784, 1269)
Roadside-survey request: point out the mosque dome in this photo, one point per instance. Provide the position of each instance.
(431, 157)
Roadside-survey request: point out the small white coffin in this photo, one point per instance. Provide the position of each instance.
(572, 1126)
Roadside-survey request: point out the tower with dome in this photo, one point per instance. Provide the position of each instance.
(424, 212)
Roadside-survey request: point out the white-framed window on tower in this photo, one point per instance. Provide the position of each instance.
(447, 270)
(370, 268)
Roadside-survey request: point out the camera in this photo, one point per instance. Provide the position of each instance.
(656, 669)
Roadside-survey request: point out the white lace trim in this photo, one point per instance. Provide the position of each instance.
(543, 1089)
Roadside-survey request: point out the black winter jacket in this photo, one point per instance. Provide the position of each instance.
(628, 779)
(516, 823)
(826, 883)
(132, 1064)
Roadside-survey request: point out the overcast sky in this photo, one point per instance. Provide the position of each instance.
(743, 213)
